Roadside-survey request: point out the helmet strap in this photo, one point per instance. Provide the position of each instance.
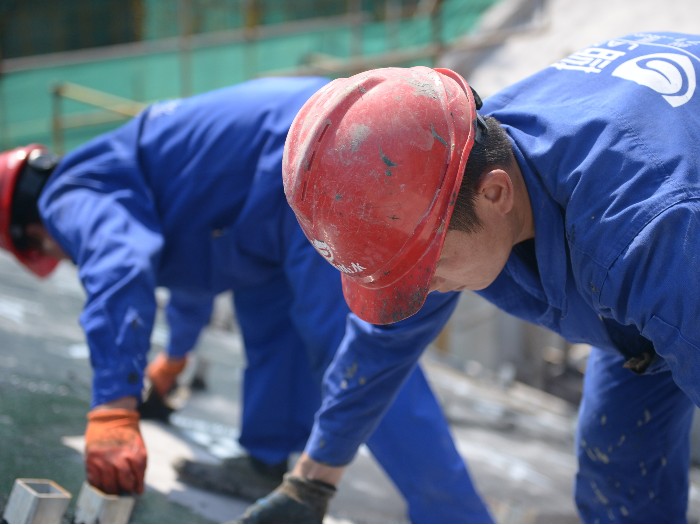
(480, 124)
(481, 130)
(477, 99)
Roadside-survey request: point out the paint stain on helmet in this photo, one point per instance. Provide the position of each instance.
(437, 135)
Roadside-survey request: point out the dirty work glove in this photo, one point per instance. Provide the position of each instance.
(296, 500)
(162, 372)
(115, 455)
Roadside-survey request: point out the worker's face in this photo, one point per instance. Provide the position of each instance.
(42, 241)
(470, 261)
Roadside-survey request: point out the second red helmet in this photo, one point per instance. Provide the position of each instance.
(12, 163)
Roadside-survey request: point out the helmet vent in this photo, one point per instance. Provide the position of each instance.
(310, 162)
(318, 141)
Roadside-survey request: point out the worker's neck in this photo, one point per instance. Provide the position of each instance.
(523, 222)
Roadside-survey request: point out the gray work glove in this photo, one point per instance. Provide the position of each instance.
(296, 500)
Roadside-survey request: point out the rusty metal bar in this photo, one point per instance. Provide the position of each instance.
(107, 101)
(114, 109)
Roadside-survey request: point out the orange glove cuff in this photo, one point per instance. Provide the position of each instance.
(103, 422)
(106, 415)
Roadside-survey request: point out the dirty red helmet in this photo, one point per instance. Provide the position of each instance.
(12, 164)
(372, 167)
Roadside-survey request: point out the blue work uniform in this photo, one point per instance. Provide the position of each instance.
(188, 196)
(608, 142)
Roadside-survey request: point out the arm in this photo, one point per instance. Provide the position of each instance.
(117, 256)
(187, 315)
(109, 230)
(653, 285)
(371, 365)
(307, 467)
(366, 364)
(305, 493)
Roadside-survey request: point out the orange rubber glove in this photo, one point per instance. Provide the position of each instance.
(115, 454)
(163, 372)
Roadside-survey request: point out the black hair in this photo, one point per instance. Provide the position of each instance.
(492, 149)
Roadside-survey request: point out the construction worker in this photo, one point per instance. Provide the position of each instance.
(188, 196)
(570, 200)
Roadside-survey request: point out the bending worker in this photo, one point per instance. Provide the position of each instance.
(188, 196)
(571, 200)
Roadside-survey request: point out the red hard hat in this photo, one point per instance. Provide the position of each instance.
(11, 164)
(372, 168)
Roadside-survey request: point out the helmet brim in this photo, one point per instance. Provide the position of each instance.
(39, 264)
(407, 294)
(400, 300)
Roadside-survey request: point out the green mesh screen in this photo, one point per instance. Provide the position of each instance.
(150, 62)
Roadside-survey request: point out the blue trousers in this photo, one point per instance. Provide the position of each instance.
(413, 443)
(632, 444)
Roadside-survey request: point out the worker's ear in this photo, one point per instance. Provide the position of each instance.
(496, 189)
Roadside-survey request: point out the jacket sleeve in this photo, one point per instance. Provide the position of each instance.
(654, 285)
(187, 315)
(100, 213)
(366, 364)
(370, 367)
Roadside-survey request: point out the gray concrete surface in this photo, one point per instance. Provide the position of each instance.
(517, 440)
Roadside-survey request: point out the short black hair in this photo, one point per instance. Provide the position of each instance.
(491, 151)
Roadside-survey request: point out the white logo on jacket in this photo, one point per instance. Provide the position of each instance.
(670, 74)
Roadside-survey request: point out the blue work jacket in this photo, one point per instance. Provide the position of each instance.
(608, 142)
(188, 196)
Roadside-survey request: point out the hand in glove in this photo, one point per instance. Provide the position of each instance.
(296, 500)
(163, 371)
(115, 454)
